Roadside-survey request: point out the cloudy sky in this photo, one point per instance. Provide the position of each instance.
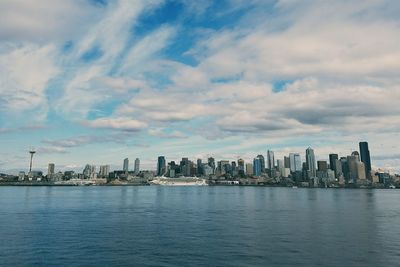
(95, 81)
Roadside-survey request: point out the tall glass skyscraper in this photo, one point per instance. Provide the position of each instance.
(161, 166)
(257, 167)
(310, 162)
(365, 157)
(126, 165)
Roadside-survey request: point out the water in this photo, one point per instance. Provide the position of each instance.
(208, 226)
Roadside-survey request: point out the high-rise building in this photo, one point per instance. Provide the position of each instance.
(262, 161)
(50, 169)
(126, 165)
(287, 162)
(361, 175)
(271, 163)
(356, 155)
(161, 166)
(199, 167)
(365, 158)
(295, 162)
(322, 165)
(256, 167)
(211, 163)
(332, 161)
(104, 171)
(281, 167)
(241, 167)
(310, 162)
(137, 166)
(249, 169)
(352, 164)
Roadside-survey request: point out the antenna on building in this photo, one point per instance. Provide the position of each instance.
(32, 151)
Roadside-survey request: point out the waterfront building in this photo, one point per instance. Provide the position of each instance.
(256, 167)
(271, 163)
(281, 167)
(241, 167)
(211, 163)
(249, 169)
(137, 166)
(51, 169)
(295, 162)
(161, 166)
(287, 162)
(365, 157)
(262, 161)
(356, 155)
(125, 166)
(332, 161)
(310, 163)
(104, 171)
(322, 165)
(199, 167)
(361, 175)
(207, 170)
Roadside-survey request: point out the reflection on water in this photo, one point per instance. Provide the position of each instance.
(233, 226)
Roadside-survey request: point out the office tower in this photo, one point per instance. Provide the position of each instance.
(249, 169)
(211, 163)
(126, 165)
(345, 168)
(234, 168)
(256, 167)
(87, 171)
(161, 166)
(356, 155)
(224, 167)
(137, 166)
(352, 164)
(310, 162)
(281, 166)
(295, 162)
(365, 158)
(338, 168)
(361, 175)
(332, 161)
(322, 165)
(185, 166)
(241, 167)
(50, 169)
(199, 167)
(104, 171)
(262, 161)
(271, 163)
(287, 162)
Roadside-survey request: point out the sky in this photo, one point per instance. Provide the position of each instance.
(95, 81)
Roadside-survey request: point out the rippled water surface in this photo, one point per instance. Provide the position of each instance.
(191, 226)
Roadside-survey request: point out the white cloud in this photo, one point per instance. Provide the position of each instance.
(125, 124)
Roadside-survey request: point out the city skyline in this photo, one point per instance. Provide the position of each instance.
(230, 79)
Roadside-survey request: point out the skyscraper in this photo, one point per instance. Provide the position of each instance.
(332, 161)
(50, 169)
(211, 163)
(104, 171)
(310, 162)
(137, 166)
(126, 165)
(256, 167)
(262, 161)
(271, 162)
(365, 158)
(241, 167)
(295, 162)
(161, 166)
